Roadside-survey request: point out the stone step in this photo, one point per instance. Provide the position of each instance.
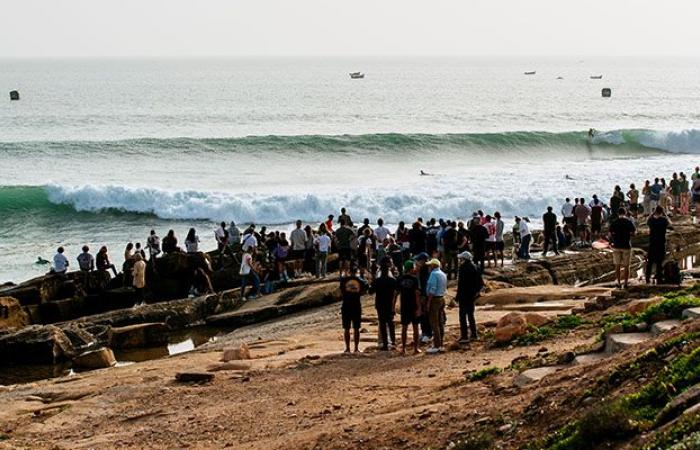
(691, 313)
(664, 326)
(589, 358)
(622, 341)
(534, 375)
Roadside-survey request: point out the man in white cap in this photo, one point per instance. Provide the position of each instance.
(469, 285)
(435, 290)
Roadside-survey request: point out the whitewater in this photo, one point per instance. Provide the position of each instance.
(103, 151)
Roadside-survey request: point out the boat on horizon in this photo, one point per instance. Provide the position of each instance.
(356, 75)
(596, 77)
(531, 73)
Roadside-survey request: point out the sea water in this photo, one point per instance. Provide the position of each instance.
(100, 151)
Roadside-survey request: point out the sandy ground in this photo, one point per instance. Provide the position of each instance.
(298, 391)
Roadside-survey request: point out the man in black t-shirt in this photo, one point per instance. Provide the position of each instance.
(658, 224)
(469, 286)
(385, 289)
(478, 236)
(621, 231)
(343, 239)
(410, 290)
(549, 219)
(352, 288)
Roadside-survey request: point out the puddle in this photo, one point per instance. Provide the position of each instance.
(178, 342)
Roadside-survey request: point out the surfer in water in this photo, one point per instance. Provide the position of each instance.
(591, 134)
(41, 261)
(425, 174)
(567, 177)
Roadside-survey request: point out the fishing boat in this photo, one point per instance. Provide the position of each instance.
(596, 77)
(531, 73)
(357, 75)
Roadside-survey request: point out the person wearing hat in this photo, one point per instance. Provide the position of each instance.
(436, 289)
(138, 272)
(469, 285)
(410, 292)
(352, 288)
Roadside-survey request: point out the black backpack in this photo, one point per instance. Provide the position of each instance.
(672, 273)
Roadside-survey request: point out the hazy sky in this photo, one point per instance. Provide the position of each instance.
(348, 27)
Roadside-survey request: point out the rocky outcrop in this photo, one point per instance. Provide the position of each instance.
(95, 359)
(12, 316)
(36, 344)
(139, 335)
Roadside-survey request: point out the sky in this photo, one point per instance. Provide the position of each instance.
(149, 28)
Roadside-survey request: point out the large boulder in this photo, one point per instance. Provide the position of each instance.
(12, 315)
(140, 335)
(36, 344)
(509, 327)
(95, 359)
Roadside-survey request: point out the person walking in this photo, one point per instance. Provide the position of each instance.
(549, 219)
(436, 289)
(385, 290)
(248, 273)
(469, 286)
(658, 224)
(409, 290)
(621, 230)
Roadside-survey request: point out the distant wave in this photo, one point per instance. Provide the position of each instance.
(631, 140)
(56, 200)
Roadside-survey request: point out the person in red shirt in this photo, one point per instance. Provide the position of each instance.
(329, 224)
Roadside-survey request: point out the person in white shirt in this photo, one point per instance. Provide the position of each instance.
(525, 237)
(381, 232)
(60, 262)
(249, 241)
(322, 242)
(192, 241)
(86, 262)
(298, 239)
(567, 213)
(248, 273)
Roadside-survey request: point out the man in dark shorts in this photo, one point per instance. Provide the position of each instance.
(352, 288)
(298, 239)
(409, 290)
(478, 236)
(343, 238)
(469, 286)
(596, 217)
(621, 232)
(385, 289)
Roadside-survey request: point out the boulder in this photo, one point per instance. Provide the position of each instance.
(636, 307)
(237, 353)
(95, 359)
(536, 320)
(679, 404)
(36, 344)
(509, 327)
(12, 316)
(140, 335)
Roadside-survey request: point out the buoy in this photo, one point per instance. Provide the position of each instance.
(607, 92)
(14, 95)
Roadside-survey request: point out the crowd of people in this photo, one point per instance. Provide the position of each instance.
(414, 263)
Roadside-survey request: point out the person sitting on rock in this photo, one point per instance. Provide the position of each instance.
(86, 261)
(60, 262)
(102, 261)
(170, 243)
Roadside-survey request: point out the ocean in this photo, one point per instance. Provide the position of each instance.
(100, 151)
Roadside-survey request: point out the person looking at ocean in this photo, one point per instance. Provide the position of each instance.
(86, 262)
(102, 261)
(153, 245)
(490, 242)
(633, 197)
(322, 243)
(344, 216)
(410, 293)
(138, 249)
(525, 237)
(685, 195)
(192, 241)
(616, 202)
(596, 207)
(344, 237)
(695, 190)
(138, 273)
(385, 289)
(621, 231)
(329, 224)
(128, 252)
(381, 232)
(549, 219)
(478, 236)
(60, 262)
(500, 245)
(170, 243)
(435, 290)
(582, 213)
(658, 224)
(655, 195)
(298, 239)
(567, 212)
(234, 235)
(249, 241)
(675, 185)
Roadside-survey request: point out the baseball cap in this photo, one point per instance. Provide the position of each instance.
(465, 255)
(434, 262)
(421, 257)
(408, 266)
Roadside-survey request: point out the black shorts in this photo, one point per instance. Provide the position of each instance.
(345, 254)
(596, 227)
(489, 245)
(409, 318)
(499, 246)
(351, 315)
(696, 198)
(295, 255)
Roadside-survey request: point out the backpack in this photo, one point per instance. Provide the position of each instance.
(672, 273)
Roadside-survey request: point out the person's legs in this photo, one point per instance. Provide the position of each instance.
(545, 246)
(626, 255)
(472, 320)
(392, 330)
(324, 263)
(463, 336)
(404, 336)
(647, 269)
(346, 336)
(244, 283)
(435, 325)
(383, 330)
(415, 337)
(256, 284)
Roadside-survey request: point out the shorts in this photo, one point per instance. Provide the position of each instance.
(621, 256)
(489, 246)
(351, 315)
(596, 227)
(409, 318)
(696, 198)
(295, 255)
(499, 246)
(581, 228)
(345, 254)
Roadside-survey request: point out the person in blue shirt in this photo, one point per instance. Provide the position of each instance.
(435, 290)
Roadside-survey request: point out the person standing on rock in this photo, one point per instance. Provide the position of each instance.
(596, 207)
(298, 238)
(525, 238)
(352, 289)
(248, 273)
(385, 289)
(469, 286)
(621, 232)
(409, 289)
(582, 213)
(567, 213)
(500, 243)
(344, 216)
(138, 272)
(344, 237)
(658, 225)
(549, 219)
(322, 243)
(153, 245)
(478, 236)
(436, 290)
(423, 272)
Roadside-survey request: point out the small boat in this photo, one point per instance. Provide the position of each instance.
(530, 73)
(596, 77)
(357, 75)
